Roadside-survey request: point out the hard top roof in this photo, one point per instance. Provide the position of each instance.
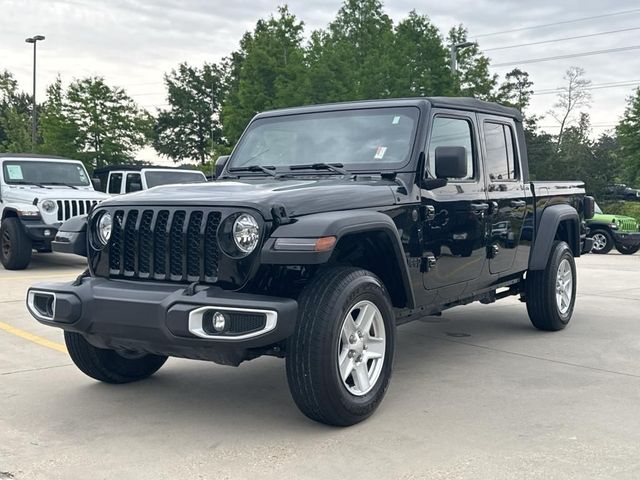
(111, 168)
(34, 156)
(456, 103)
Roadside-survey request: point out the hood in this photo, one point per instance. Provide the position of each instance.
(27, 194)
(609, 218)
(299, 196)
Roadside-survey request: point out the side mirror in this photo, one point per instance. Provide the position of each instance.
(220, 163)
(589, 204)
(97, 184)
(451, 162)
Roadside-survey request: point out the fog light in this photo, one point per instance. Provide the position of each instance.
(219, 321)
(47, 233)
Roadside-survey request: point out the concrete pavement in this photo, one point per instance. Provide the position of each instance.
(477, 393)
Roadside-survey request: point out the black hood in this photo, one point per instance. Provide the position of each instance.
(299, 196)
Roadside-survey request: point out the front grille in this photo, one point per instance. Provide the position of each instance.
(177, 245)
(627, 225)
(73, 208)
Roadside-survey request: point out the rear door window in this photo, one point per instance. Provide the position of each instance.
(115, 183)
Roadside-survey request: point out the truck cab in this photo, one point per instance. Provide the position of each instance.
(121, 179)
(37, 194)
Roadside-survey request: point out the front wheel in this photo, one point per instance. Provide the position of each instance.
(551, 293)
(340, 356)
(110, 366)
(627, 249)
(15, 246)
(602, 242)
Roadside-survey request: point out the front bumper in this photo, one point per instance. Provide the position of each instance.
(630, 239)
(159, 318)
(38, 231)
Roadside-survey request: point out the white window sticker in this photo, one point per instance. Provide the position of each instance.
(380, 151)
(15, 172)
(396, 120)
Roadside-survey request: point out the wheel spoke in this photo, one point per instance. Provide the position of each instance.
(375, 347)
(365, 318)
(349, 328)
(346, 365)
(361, 377)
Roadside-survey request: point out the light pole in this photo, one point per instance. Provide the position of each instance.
(34, 120)
(454, 53)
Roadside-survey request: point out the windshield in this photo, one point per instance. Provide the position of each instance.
(597, 209)
(375, 138)
(155, 178)
(46, 172)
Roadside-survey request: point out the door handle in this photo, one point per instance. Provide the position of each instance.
(518, 203)
(479, 207)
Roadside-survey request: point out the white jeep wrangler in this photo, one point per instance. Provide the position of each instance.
(37, 194)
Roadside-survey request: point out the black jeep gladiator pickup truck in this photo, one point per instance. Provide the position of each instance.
(327, 227)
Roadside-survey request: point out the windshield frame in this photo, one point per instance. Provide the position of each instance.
(381, 167)
(22, 182)
(146, 171)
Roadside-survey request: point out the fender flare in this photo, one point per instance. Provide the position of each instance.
(338, 224)
(546, 231)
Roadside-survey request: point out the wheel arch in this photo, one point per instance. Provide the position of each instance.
(361, 237)
(557, 222)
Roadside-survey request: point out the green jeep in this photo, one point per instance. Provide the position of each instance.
(610, 231)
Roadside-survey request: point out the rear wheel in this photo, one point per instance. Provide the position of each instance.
(551, 293)
(340, 357)
(602, 241)
(15, 246)
(110, 366)
(627, 250)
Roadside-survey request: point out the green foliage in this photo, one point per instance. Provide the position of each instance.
(629, 209)
(15, 116)
(516, 90)
(629, 137)
(268, 72)
(190, 129)
(93, 122)
(473, 77)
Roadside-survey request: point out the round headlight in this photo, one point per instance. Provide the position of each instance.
(246, 233)
(48, 206)
(103, 228)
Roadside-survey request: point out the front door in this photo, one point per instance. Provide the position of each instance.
(454, 234)
(506, 193)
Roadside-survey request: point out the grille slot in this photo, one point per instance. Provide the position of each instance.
(178, 245)
(72, 208)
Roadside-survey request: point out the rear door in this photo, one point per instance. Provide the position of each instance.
(505, 190)
(454, 239)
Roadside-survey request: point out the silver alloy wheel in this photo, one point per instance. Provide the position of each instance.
(599, 241)
(361, 348)
(564, 286)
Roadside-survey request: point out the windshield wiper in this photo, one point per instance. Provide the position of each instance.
(334, 167)
(22, 182)
(63, 183)
(268, 169)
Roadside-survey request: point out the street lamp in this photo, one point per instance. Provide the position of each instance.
(454, 53)
(34, 40)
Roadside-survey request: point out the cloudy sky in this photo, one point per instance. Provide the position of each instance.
(133, 42)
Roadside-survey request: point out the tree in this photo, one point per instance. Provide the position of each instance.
(420, 59)
(572, 97)
(190, 128)
(628, 131)
(472, 77)
(103, 123)
(15, 119)
(268, 72)
(516, 90)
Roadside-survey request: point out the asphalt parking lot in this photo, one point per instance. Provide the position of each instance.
(477, 393)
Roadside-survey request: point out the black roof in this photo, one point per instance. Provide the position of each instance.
(111, 168)
(457, 103)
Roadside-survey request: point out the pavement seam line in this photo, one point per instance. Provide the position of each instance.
(43, 342)
(27, 370)
(507, 352)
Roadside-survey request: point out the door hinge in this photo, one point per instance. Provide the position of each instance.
(427, 263)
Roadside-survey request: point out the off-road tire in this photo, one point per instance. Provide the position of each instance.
(15, 246)
(627, 250)
(108, 365)
(312, 366)
(609, 244)
(540, 291)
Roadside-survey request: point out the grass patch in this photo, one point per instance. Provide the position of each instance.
(630, 209)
